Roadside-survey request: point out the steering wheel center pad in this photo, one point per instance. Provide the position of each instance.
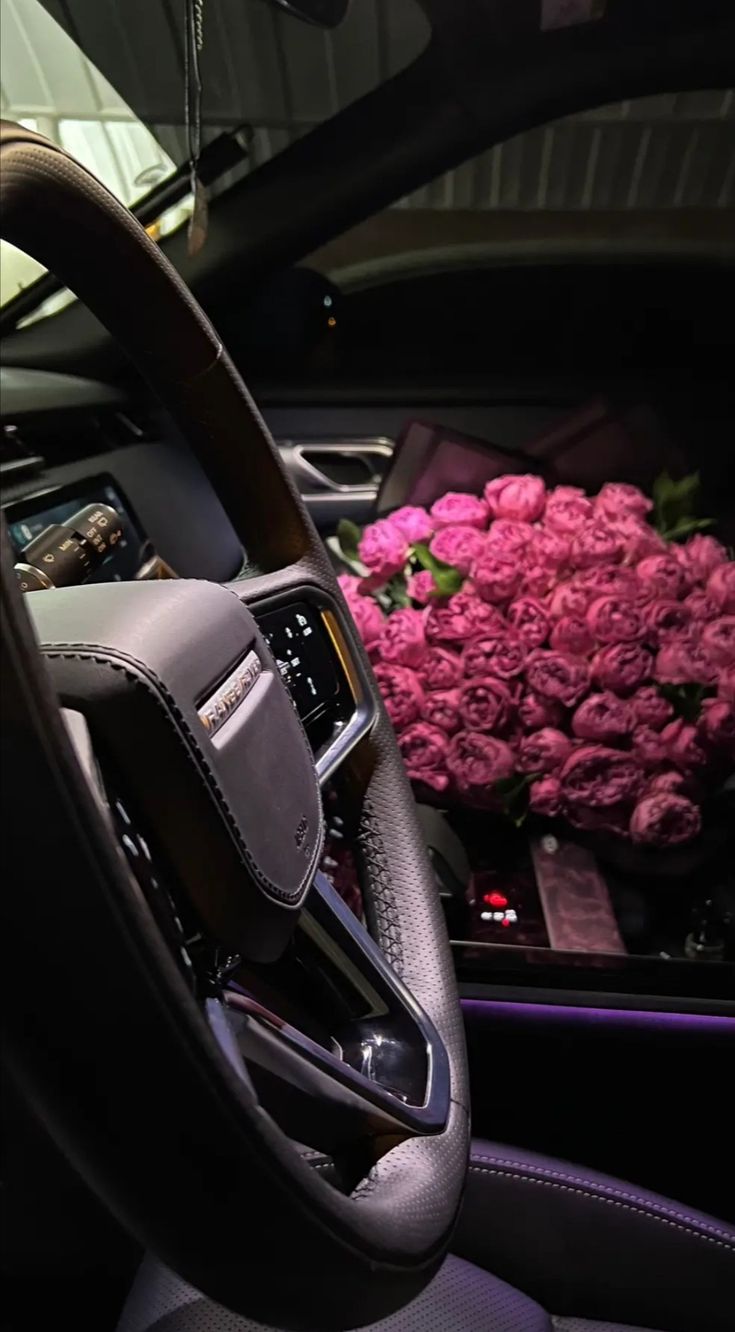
(180, 690)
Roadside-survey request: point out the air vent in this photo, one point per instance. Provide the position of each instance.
(64, 437)
(18, 457)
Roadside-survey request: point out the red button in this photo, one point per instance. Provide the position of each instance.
(495, 899)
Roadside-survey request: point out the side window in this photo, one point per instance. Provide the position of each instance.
(473, 271)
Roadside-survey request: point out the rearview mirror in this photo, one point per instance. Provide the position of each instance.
(324, 13)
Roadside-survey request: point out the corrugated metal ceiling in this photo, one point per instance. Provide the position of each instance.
(282, 78)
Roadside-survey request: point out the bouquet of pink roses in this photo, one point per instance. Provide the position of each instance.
(551, 651)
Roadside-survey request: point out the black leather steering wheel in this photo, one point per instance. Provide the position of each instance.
(162, 1089)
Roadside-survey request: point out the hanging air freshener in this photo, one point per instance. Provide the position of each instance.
(193, 44)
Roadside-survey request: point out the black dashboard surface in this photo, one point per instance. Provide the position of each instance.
(166, 489)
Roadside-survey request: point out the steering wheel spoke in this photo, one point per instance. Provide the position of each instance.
(347, 1036)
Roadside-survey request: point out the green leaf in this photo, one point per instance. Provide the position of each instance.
(513, 795)
(348, 536)
(685, 526)
(686, 699)
(675, 504)
(448, 579)
(396, 592)
(356, 566)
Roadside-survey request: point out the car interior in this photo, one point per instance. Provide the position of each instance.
(285, 1046)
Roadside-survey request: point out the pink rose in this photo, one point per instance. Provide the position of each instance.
(509, 539)
(403, 640)
(718, 640)
(664, 820)
(441, 708)
(350, 586)
(650, 708)
(571, 598)
(457, 509)
(617, 499)
(495, 579)
(567, 509)
(610, 580)
(726, 685)
(383, 549)
(485, 619)
(703, 554)
(450, 623)
(638, 539)
(612, 620)
(717, 724)
(402, 693)
(721, 587)
(595, 544)
(671, 781)
(683, 747)
(458, 546)
(649, 747)
(602, 717)
(596, 776)
(544, 750)
(683, 661)
(440, 669)
(558, 676)
(549, 550)
(500, 655)
(413, 523)
(530, 621)
(519, 497)
(546, 797)
(485, 705)
(477, 762)
(424, 753)
(462, 618)
(608, 819)
(422, 588)
(664, 619)
(368, 617)
(621, 667)
(537, 581)
(536, 712)
(663, 576)
(571, 634)
(700, 606)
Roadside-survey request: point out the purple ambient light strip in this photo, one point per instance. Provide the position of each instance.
(610, 1017)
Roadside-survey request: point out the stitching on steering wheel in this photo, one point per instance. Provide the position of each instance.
(156, 688)
(382, 893)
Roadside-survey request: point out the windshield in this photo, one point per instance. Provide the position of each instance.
(49, 85)
(264, 74)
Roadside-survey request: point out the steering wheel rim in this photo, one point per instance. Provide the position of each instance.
(350, 1258)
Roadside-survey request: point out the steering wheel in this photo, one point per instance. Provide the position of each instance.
(192, 1000)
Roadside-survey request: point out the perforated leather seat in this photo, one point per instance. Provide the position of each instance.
(541, 1246)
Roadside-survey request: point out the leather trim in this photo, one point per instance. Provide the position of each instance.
(602, 1193)
(589, 1246)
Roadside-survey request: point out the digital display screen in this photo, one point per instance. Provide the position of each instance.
(27, 518)
(297, 638)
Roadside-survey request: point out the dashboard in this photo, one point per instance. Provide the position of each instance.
(168, 508)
